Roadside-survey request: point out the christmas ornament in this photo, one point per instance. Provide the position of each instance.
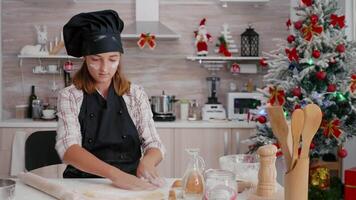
(277, 96)
(263, 62)
(319, 177)
(288, 23)
(202, 37)
(316, 54)
(292, 54)
(340, 48)
(314, 19)
(331, 88)
(312, 145)
(353, 83)
(342, 153)
(223, 48)
(298, 25)
(310, 30)
(320, 75)
(226, 41)
(307, 2)
(235, 68)
(297, 92)
(337, 20)
(291, 38)
(262, 119)
(147, 38)
(331, 128)
(68, 66)
(297, 107)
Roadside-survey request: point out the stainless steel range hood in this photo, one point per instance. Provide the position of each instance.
(147, 21)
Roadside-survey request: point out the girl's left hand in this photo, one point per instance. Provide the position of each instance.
(147, 170)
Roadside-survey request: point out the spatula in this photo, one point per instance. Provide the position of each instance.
(312, 120)
(280, 130)
(297, 124)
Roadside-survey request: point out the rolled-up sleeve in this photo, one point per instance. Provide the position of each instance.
(146, 127)
(68, 129)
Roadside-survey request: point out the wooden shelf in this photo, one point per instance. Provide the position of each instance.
(47, 57)
(221, 58)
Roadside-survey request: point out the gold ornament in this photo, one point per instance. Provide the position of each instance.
(319, 177)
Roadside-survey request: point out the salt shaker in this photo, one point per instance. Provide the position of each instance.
(267, 174)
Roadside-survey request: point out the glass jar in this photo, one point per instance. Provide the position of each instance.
(220, 184)
(193, 110)
(193, 180)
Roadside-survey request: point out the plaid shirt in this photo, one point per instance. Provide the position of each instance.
(68, 130)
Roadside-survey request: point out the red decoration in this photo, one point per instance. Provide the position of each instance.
(310, 30)
(297, 92)
(314, 18)
(316, 53)
(312, 145)
(262, 119)
(307, 2)
(331, 88)
(321, 75)
(353, 83)
(277, 96)
(147, 38)
(340, 48)
(298, 25)
(235, 68)
(223, 50)
(350, 184)
(291, 38)
(297, 107)
(292, 54)
(331, 128)
(263, 62)
(337, 20)
(342, 153)
(288, 23)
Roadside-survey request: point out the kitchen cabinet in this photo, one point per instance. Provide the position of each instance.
(238, 135)
(166, 167)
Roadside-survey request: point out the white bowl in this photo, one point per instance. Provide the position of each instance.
(245, 166)
(48, 113)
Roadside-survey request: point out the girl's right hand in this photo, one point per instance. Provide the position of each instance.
(126, 181)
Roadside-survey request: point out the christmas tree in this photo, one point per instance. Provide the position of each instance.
(315, 65)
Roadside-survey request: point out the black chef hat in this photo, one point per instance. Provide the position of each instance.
(93, 33)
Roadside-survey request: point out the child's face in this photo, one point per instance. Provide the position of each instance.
(102, 67)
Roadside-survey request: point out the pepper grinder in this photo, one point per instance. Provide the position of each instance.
(267, 184)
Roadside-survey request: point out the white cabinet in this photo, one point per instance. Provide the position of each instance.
(238, 135)
(166, 167)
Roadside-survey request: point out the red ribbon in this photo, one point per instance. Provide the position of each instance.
(353, 83)
(147, 39)
(292, 54)
(312, 29)
(277, 96)
(337, 20)
(331, 128)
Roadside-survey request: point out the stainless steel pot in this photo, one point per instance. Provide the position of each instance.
(7, 189)
(163, 104)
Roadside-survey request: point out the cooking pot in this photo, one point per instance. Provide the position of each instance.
(163, 104)
(7, 189)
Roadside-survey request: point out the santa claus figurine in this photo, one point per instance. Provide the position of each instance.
(202, 37)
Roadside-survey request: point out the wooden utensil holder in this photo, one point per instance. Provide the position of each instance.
(296, 181)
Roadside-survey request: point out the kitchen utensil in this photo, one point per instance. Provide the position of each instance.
(7, 189)
(280, 130)
(312, 121)
(297, 125)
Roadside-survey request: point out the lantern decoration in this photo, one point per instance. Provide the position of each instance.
(249, 42)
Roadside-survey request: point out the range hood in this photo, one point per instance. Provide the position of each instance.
(147, 21)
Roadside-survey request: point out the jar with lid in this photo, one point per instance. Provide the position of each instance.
(220, 184)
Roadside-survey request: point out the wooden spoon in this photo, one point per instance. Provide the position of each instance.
(280, 130)
(297, 125)
(312, 121)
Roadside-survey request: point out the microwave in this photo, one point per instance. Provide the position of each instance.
(240, 104)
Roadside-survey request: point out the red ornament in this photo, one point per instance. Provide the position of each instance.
(353, 83)
(235, 68)
(331, 88)
(298, 25)
(263, 62)
(291, 38)
(316, 53)
(277, 96)
(307, 2)
(297, 92)
(342, 153)
(314, 18)
(312, 145)
(262, 119)
(340, 48)
(288, 23)
(320, 75)
(292, 54)
(336, 20)
(297, 107)
(331, 128)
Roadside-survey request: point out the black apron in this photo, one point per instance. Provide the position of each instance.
(108, 132)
